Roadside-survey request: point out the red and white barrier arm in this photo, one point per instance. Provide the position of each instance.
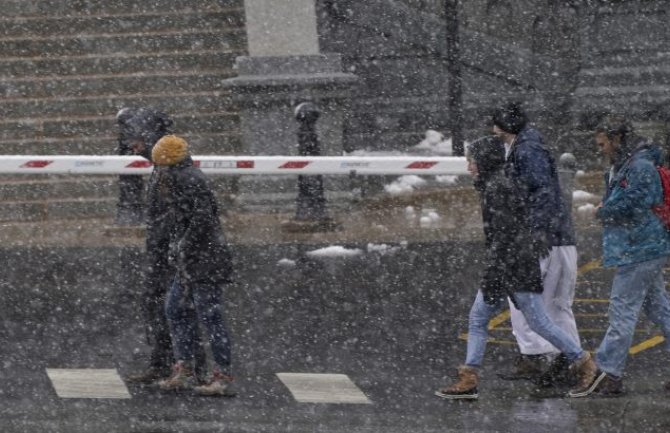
(238, 165)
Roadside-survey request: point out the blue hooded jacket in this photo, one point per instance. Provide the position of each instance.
(632, 232)
(533, 170)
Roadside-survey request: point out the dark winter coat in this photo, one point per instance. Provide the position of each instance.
(533, 169)
(632, 232)
(160, 223)
(198, 247)
(512, 260)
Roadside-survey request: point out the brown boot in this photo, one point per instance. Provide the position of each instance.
(588, 377)
(465, 388)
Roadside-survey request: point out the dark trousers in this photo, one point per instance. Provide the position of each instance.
(157, 286)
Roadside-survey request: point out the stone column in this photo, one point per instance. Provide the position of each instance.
(285, 67)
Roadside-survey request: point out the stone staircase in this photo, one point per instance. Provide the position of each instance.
(67, 67)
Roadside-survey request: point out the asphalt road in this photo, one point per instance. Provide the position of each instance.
(384, 323)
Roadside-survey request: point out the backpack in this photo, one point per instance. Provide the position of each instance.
(663, 210)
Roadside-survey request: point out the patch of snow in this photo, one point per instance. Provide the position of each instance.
(586, 209)
(335, 251)
(578, 194)
(404, 184)
(447, 179)
(434, 143)
(287, 263)
(382, 249)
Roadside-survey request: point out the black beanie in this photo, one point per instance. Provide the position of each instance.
(510, 118)
(488, 153)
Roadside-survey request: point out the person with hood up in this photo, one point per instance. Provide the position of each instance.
(636, 243)
(203, 265)
(512, 271)
(533, 170)
(139, 129)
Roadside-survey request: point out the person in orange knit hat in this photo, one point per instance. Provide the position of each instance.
(203, 261)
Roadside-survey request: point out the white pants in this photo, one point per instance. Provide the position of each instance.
(559, 278)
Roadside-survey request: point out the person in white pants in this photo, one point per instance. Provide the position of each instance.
(559, 278)
(530, 165)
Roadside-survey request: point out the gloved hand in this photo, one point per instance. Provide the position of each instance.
(541, 244)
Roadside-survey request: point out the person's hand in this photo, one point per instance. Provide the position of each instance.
(541, 244)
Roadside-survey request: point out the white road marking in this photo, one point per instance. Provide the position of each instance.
(323, 388)
(87, 383)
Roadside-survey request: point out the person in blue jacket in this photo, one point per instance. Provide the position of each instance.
(636, 243)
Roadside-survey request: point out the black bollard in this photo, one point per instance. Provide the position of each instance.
(311, 212)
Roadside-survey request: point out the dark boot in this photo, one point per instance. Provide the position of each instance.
(558, 373)
(526, 367)
(148, 376)
(464, 388)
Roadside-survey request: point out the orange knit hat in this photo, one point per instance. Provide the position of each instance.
(169, 150)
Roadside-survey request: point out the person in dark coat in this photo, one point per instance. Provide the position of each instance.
(532, 168)
(203, 265)
(512, 270)
(140, 128)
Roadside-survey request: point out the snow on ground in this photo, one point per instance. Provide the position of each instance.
(404, 184)
(335, 251)
(580, 195)
(434, 143)
(287, 263)
(382, 249)
(586, 209)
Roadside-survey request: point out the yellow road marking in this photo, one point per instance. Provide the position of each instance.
(500, 318)
(646, 344)
(586, 267)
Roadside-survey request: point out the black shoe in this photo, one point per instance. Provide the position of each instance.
(526, 367)
(610, 386)
(558, 373)
(148, 376)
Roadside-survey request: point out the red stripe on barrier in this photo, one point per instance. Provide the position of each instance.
(245, 164)
(196, 164)
(139, 164)
(422, 165)
(295, 164)
(36, 164)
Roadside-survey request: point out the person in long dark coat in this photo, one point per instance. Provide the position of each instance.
(512, 270)
(203, 264)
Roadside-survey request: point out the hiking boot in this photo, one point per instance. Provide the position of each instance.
(182, 378)
(526, 367)
(220, 385)
(148, 376)
(558, 373)
(465, 388)
(587, 374)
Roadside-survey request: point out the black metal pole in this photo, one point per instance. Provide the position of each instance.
(455, 98)
(311, 201)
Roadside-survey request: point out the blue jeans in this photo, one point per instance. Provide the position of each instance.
(184, 308)
(635, 286)
(532, 307)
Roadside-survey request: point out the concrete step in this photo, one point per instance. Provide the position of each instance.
(106, 64)
(119, 21)
(22, 9)
(616, 76)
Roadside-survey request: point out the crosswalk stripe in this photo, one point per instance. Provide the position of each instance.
(323, 388)
(87, 383)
